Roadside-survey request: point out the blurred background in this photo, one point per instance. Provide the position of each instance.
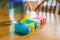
(51, 31)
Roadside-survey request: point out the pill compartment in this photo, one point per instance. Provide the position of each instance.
(23, 23)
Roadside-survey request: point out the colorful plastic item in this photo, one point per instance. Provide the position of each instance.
(12, 2)
(21, 28)
(16, 6)
(41, 20)
(32, 25)
(26, 25)
(24, 19)
(31, 22)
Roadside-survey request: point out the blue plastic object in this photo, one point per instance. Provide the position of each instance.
(13, 2)
(22, 29)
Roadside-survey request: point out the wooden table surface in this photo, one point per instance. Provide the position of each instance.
(51, 31)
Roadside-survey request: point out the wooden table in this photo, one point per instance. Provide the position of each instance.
(51, 31)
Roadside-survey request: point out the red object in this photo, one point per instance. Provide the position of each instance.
(41, 6)
(44, 19)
